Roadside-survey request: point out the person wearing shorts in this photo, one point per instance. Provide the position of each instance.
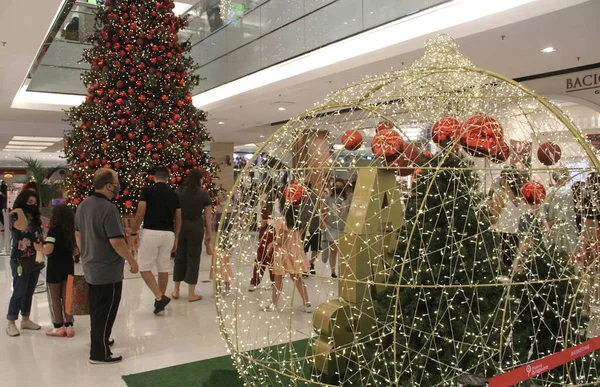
(160, 211)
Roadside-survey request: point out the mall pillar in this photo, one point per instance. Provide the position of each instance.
(222, 153)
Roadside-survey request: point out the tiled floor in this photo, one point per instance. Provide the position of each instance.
(185, 333)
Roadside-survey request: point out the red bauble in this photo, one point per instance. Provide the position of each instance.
(120, 84)
(533, 192)
(164, 98)
(155, 156)
(294, 193)
(445, 130)
(117, 165)
(387, 143)
(82, 156)
(131, 135)
(352, 140)
(151, 124)
(149, 147)
(144, 138)
(174, 167)
(160, 147)
(176, 117)
(385, 125)
(128, 204)
(142, 99)
(118, 136)
(499, 152)
(481, 134)
(151, 105)
(119, 101)
(549, 153)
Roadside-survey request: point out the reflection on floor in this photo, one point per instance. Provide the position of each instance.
(187, 332)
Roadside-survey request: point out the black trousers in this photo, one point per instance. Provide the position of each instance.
(510, 248)
(104, 304)
(189, 249)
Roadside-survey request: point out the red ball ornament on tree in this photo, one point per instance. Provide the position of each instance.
(131, 135)
(117, 165)
(164, 98)
(387, 143)
(149, 147)
(142, 99)
(533, 192)
(294, 193)
(155, 156)
(549, 153)
(128, 204)
(352, 140)
(403, 165)
(120, 84)
(445, 130)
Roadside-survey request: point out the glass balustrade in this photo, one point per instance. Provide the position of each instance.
(269, 32)
(230, 38)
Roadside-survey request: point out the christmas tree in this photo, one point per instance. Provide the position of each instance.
(138, 113)
(442, 322)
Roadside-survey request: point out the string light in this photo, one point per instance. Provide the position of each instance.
(439, 301)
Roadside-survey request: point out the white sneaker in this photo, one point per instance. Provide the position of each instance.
(12, 331)
(270, 307)
(251, 288)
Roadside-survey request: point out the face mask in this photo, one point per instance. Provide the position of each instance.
(32, 209)
(116, 190)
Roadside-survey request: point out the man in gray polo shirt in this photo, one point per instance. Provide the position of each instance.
(100, 238)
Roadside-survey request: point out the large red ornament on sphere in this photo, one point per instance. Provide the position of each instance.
(352, 140)
(533, 192)
(403, 165)
(481, 134)
(387, 143)
(445, 130)
(549, 153)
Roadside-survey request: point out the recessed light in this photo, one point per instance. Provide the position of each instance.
(28, 138)
(34, 143)
(262, 136)
(221, 123)
(548, 50)
(281, 108)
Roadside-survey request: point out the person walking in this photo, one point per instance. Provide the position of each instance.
(195, 203)
(335, 212)
(266, 233)
(26, 231)
(101, 239)
(60, 247)
(310, 220)
(160, 210)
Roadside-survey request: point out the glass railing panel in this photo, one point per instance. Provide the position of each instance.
(214, 74)
(277, 13)
(286, 43)
(244, 30)
(213, 47)
(334, 22)
(245, 60)
(311, 5)
(50, 79)
(379, 12)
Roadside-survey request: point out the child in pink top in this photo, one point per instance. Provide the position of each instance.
(288, 257)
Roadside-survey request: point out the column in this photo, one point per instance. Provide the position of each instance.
(220, 152)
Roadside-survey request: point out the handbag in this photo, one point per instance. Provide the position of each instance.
(77, 302)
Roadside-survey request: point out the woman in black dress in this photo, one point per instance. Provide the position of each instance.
(60, 247)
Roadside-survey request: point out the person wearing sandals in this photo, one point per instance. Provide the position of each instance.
(26, 230)
(195, 204)
(59, 247)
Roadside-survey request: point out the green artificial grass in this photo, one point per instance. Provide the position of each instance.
(220, 371)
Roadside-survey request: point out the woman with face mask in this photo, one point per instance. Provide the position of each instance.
(26, 230)
(337, 205)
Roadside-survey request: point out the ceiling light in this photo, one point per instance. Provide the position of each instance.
(440, 18)
(29, 138)
(34, 143)
(548, 50)
(281, 108)
(19, 147)
(261, 136)
(221, 123)
(21, 150)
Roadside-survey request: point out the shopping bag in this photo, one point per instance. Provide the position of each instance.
(78, 296)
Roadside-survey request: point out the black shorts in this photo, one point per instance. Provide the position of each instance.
(313, 242)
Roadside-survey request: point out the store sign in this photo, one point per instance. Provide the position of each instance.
(584, 82)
